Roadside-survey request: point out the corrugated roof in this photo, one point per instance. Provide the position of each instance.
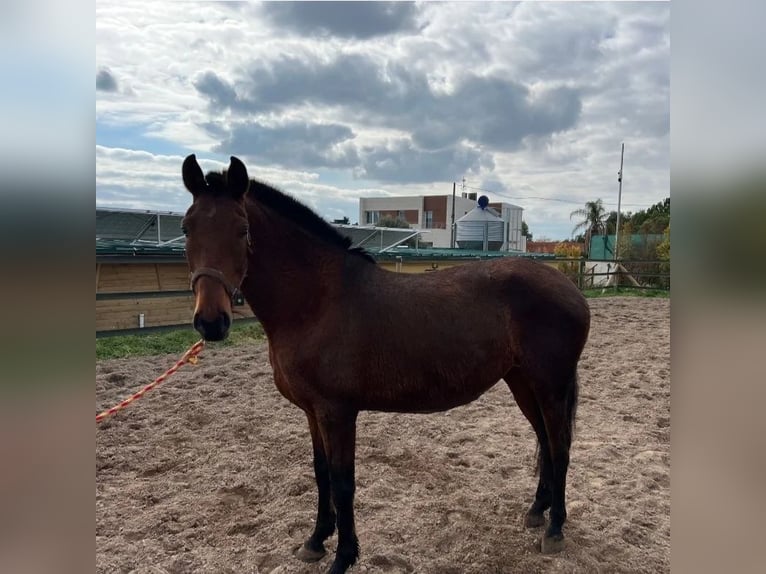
(134, 225)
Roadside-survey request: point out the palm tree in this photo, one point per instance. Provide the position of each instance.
(593, 221)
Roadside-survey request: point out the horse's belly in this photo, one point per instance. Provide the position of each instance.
(426, 397)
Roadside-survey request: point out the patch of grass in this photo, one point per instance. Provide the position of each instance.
(174, 342)
(626, 292)
(245, 333)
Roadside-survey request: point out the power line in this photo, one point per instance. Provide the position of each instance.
(548, 198)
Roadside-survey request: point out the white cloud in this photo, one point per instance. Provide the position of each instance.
(536, 96)
(142, 180)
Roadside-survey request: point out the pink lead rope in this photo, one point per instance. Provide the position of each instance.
(189, 356)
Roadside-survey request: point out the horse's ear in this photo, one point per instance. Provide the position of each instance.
(236, 178)
(194, 180)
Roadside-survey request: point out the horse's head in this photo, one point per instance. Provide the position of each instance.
(217, 242)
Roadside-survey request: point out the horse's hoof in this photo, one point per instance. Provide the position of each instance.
(534, 520)
(337, 568)
(306, 554)
(552, 544)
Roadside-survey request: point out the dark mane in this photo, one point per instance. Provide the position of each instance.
(292, 209)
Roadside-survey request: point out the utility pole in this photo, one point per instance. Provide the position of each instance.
(452, 232)
(619, 202)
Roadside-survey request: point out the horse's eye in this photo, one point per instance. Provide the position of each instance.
(184, 230)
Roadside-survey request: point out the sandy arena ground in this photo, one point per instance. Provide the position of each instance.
(211, 472)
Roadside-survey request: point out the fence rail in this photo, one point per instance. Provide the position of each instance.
(631, 273)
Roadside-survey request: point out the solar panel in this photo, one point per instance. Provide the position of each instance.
(378, 239)
(156, 228)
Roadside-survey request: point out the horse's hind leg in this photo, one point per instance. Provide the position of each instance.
(558, 406)
(313, 549)
(338, 429)
(527, 402)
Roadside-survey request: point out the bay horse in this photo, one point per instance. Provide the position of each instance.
(334, 322)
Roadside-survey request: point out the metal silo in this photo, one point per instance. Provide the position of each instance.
(481, 228)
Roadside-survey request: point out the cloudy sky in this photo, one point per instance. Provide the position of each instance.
(332, 101)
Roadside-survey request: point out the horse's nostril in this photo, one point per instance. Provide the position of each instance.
(215, 330)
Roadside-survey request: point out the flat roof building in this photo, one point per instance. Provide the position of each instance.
(434, 213)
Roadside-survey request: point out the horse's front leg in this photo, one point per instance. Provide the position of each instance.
(338, 430)
(313, 549)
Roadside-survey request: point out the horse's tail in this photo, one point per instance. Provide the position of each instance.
(571, 398)
(573, 393)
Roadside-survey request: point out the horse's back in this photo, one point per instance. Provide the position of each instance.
(516, 283)
(515, 305)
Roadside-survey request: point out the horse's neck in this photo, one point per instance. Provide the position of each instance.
(289, 274)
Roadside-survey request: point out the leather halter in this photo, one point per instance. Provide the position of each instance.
(233, 292)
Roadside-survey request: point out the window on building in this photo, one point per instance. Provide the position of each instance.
(372, 217)
(428, 219)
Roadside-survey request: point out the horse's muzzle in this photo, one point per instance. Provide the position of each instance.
(216, 330)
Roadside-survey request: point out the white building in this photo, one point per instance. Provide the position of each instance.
(434, 213)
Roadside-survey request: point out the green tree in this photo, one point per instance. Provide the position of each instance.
(663, 254)
(568, 250)
(592, 221)
(663, 249)
(388, 221)
(625, 248)
(525, 231)
(653, 220)
(611, 221)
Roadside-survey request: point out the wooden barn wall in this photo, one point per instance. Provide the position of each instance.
(158, 290)
(137, 277)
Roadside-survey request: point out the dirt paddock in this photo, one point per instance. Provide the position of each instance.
(212, 472)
